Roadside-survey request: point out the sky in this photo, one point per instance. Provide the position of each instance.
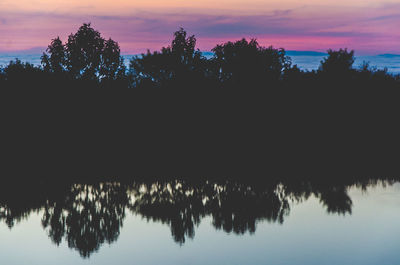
(368, 26)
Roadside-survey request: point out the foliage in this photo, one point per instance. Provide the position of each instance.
(17, 71)
(338, 62)
(181, 60)
(242, 62)
(86, 55)
(54, 61)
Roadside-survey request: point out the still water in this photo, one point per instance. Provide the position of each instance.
(176, 221)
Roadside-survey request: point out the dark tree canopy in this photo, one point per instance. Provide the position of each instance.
(180, 60)
(112, 65)
(84, 51)
(338, 62)
(54, 61)
(86, 55)
(20, 72)
(246, 61)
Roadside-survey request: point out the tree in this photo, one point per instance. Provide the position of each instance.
(181, 61)
(20, 72)
(183, 49)
(247, 62)
(83, 52)
(86, 55)
(112, 64)
(54, 60)
(338, 62)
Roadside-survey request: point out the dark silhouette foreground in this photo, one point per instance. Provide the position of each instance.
(245, 112)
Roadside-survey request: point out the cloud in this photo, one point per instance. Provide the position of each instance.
(386, 17)
(289, 28)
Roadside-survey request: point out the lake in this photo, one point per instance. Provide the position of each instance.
(305, 60)
(201, 221)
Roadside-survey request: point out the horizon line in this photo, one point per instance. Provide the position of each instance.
(40, 50)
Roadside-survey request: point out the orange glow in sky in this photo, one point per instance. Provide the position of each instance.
(368, 26)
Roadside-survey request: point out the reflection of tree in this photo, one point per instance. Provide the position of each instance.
(18, 200)
(336, 200)
(87, 216)
(173, 202)
(11, 215)
(234, 207)
(237, 207)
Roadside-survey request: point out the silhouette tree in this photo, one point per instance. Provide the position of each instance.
(112, 64)
(19, 72)
(338, 62)
(244, 62)
(83, 52)
(180, 61)
(86, 55)
(54, 60)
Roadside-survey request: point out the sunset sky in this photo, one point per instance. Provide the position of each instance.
(368, 26)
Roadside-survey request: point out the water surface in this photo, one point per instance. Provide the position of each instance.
(207, 221)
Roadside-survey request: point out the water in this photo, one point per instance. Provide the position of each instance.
(176, 221)
(305, 60)
(31, 58)
(312, 62)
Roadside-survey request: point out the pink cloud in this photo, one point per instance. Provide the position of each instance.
(297, 29)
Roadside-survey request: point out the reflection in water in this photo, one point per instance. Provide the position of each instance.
(89, 215)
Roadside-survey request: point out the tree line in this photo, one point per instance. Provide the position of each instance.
(246, 111)
(88, 57)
